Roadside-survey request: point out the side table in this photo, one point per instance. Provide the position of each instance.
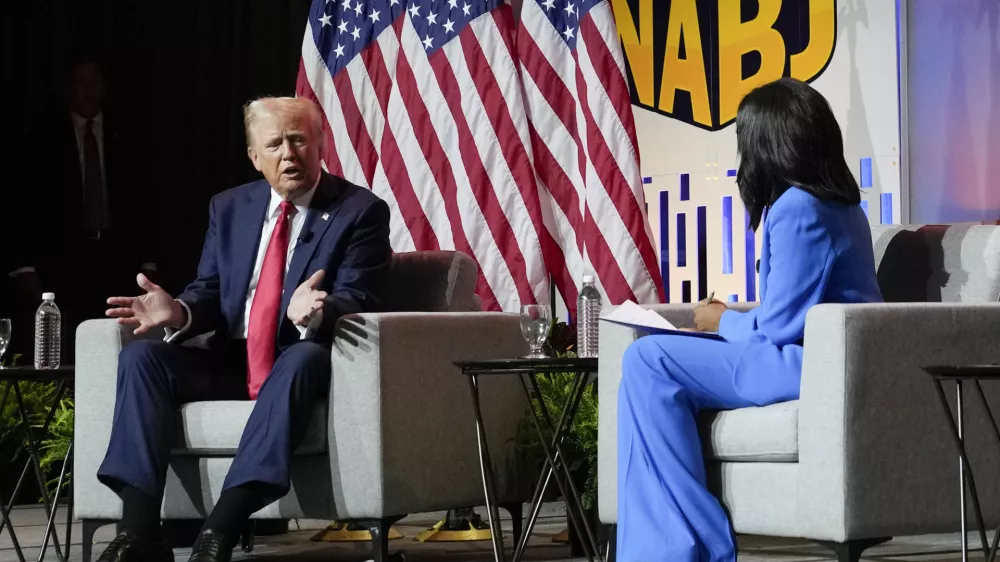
(12, 378)
(975, 374)
(556, 464)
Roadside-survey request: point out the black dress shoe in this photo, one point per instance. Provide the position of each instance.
(127, 548)
(211, 547)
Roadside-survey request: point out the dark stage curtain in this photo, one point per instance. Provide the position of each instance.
(178, 74)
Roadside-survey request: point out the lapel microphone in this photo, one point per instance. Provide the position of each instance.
(305, 237)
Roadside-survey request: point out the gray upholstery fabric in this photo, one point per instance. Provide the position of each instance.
(97, 345)
(402, 433)
(215, 428)
(398, 437)
(874, 455)
(938, 263)
(736, 435)
(432, 282)
(761, 497)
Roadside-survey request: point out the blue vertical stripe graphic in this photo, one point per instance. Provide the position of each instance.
(685, 187)
(733, 298)
(886, 208)
(685, 291)
(730, 173)
(864, 207)
(702, 253)
(750, 257)
(727, 235)
(866, 172)
(681, 240)
(665, 244)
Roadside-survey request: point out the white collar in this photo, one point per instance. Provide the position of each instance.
(301, 202)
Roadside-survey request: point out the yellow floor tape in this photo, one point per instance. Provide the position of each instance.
(438, 533)
(349, 532)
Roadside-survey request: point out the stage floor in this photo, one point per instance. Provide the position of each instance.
(295, 545)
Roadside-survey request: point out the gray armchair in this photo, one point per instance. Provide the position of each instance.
(865, 453)
(395, 437)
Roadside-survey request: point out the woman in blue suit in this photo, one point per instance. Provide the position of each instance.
(816, 248)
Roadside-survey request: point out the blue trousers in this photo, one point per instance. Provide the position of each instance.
(155, 378)
(665, 511)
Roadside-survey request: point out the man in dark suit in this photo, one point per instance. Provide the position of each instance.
(283, 259)
(77, 232)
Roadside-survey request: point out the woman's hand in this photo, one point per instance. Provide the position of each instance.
(708, 314)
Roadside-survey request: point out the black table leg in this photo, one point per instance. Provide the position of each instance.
(61, 556)
(5, 514)
(486, 468)
(570, 407)
(583, 381)
(574, 508)
(996, 435)
(965, 469)
(34, 456)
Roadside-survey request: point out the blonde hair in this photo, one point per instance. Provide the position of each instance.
(254, 109)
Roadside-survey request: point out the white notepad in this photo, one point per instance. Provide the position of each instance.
(632, 315)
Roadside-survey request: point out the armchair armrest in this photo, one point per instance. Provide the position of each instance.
(402, 434)
(614, 339)
(875, 455)
(98, 343)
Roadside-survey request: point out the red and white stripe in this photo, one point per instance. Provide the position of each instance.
(488, 146)
(586, 152)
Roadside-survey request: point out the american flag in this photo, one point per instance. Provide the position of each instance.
(514, 146)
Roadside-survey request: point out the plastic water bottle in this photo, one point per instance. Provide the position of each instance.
(588, 312)
(48, 333)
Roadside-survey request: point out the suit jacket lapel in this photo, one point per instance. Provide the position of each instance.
(248, 220)
(322, 212)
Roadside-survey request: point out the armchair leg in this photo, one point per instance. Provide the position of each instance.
(850, 551)
(612, 553)
(90, 527)
(516, 511)
(379, 528)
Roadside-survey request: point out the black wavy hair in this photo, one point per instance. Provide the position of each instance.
(786, 135)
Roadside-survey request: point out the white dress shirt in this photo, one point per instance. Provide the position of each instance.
(270, 219)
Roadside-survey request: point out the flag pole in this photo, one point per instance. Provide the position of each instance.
(552, 298)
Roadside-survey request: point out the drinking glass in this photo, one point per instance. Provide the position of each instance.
(4, 337)
(535, 325)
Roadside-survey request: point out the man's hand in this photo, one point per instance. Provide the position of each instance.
(155, 309)
(708, 314)
(306, 300)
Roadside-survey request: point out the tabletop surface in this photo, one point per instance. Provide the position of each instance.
(28, 373)
(957, 372)
(517, 365)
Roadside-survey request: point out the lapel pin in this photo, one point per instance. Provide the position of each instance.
(325, 216)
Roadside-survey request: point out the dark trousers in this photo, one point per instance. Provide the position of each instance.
(155, 378)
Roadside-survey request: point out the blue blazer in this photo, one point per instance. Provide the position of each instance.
(346, 233)
(812, 251)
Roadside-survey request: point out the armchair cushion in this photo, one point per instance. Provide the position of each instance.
(214, 428)
(767, 434)
(432, 282)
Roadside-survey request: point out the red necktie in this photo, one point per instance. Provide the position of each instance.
(262, 332)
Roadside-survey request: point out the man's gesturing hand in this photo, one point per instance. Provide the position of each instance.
(306, 300)
(155, 309)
